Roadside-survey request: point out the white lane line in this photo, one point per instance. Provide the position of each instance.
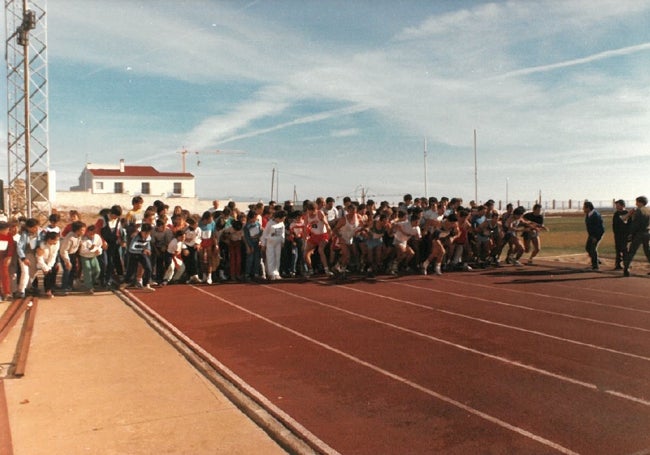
(609, 291)
(398, 378)
(523, 307)
(566, 299)
(237, 382)
(461, 347)
(499, 324)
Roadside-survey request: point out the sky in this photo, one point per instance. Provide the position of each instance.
(339, 97)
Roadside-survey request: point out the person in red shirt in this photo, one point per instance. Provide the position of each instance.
(7, 251)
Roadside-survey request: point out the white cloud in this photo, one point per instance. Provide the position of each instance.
(345, 133)
(516, 71)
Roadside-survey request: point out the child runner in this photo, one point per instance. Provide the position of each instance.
(174, 259)
(69, 253)
(47, 256)
(347, 228)
(209, 246)
(272, 240)
(297, 239)
(513, 224)
(161, 235)
(7, 251)
(193, 244)
(531, 232)
(375, 242)
(437, 254)
(89, 249)
(252, 235)
(30, 239)
(139, 253)
(316, 235)
(236, 238)
(404, 229)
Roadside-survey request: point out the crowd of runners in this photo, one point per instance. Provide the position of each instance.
(157, 245)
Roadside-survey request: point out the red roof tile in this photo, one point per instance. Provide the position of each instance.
(137, 171)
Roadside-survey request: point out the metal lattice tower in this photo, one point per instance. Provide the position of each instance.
(27, 108)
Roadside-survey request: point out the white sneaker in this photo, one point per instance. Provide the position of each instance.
(148, 288)
(438, 270)
(195, 279)
(208, 280)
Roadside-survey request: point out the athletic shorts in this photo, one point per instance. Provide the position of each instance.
(317, 239)
(374, 243)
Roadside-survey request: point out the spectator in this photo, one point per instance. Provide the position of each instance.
(595, 232)
(639, 225)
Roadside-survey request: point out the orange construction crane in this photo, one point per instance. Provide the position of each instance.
(184, 153)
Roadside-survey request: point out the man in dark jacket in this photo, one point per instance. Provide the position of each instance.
(638, 229)
(619, 227)
(595, 232)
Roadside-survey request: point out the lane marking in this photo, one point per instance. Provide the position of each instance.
(608, 291)
(461, 347)
(499, 324)
(568, 299)
(235, 380)
(523, 307)
(398, 378)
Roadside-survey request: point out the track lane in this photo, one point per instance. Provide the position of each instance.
(289, 311)
(553, 356)
(320, 388)
(524, 313)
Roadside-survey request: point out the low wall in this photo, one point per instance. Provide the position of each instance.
(86, 202)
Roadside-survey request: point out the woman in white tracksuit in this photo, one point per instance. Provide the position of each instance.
(272, 241)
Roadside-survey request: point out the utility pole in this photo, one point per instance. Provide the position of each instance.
(27, 108)
(184, 153)
(272, 183)
(475, 171)
(425, 168)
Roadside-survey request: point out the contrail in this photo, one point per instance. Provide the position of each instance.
(308, 119)
(578, 61)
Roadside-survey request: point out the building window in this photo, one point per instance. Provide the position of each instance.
(178, 188)
(146, 189)
(118, 187)
(99, 185)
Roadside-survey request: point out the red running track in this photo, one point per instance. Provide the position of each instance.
(533, 360)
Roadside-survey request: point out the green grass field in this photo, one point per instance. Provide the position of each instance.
(567, 235)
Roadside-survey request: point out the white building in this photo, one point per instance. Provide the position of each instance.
(135, 181)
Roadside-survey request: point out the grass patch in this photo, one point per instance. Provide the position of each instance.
(568, 234)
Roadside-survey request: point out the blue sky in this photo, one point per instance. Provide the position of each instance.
(339, 95)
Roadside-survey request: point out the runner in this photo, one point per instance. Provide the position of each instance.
(317, 233)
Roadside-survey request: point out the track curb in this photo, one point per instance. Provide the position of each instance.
(288, 433)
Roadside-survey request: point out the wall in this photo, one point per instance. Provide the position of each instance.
(133, 185)
(85, 202)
